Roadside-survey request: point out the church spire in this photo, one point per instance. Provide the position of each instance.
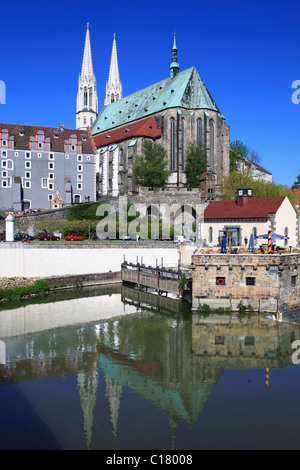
(114, 85)
(174, 67)
(87, 64)
(87, 99)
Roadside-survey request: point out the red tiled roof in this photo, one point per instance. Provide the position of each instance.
(57, 135)
(255, 208)
(144, 128)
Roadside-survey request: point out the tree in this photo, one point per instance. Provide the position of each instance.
(297, 182)
(261, 188)
(149, 169)
(239, 152)
(196, 164)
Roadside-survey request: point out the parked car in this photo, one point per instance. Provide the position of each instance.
(22, 236)
(48, 236)
(74, 237)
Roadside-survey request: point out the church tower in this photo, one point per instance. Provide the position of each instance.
(87, 100)
(114, 85)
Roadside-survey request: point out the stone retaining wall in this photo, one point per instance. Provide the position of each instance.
(266, 283)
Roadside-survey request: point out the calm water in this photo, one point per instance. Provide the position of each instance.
(115, 369)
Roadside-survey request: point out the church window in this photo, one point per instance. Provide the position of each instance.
(85, 97)
(172, 144)
(210, 235)
(212, 144)
(84, 120)
(183, 143)
(199, 130)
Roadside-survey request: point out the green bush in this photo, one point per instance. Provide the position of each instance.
(14, 293)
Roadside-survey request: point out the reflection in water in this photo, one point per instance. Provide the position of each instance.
(123, 339)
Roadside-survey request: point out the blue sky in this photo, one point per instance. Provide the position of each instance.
(247, 53)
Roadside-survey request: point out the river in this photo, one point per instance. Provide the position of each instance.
(112, 368)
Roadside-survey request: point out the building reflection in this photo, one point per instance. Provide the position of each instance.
(170, 358)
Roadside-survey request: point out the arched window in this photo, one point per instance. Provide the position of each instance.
(212, 144)
(183, 143)
(199, 131)
(210, 235)
(84, 120)
(85, 97)
(121, 157)
(172, 144)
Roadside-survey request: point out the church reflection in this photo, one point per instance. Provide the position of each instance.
(165, 355)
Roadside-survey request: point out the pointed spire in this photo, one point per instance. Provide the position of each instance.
(114, 85)
(87, 99)
(174, 67)
(87, 64)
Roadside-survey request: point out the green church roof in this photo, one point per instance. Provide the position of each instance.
(185, 90)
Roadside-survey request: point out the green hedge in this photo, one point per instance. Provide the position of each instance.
(14, 293)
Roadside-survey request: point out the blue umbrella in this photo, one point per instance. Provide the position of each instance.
(223, 247)
(275, 236)
(251, 243)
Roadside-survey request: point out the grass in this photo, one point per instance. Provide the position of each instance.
(19, 292)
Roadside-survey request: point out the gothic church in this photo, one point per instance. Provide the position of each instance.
(173, 112)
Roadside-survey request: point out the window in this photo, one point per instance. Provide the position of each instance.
(44, 183)
(4, 143)
(27, 184)
(67, 157)
(27, 155)
(250, 281)
(210, 235)
(73, 148)
(51, 176)
(50, 197)
(51, 156)
(6, 183)
(183, 143)
(79, 167)
(79, 186)
(79, 177)
(50, 186)
(79, 158)
(27, 174)
(39, 155)
(27, 164)
(50, 166)
(212, 144)
(16, 154)
(172, 144)
(40, 145)
(3, 153)
(4, 174)
(293, 281)
(199, 130)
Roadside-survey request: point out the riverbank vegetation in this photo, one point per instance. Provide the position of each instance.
(14, 293)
